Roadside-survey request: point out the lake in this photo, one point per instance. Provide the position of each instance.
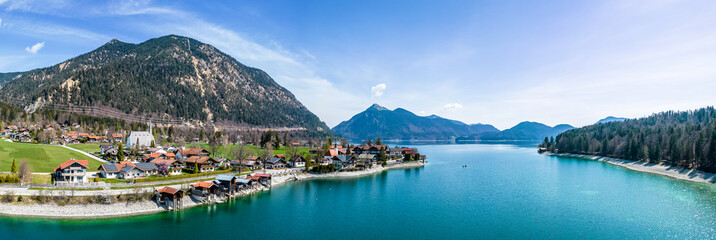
(506, 191)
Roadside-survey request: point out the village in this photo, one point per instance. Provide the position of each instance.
(175, 173)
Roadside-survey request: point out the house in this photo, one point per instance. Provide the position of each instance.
(409, 151)
(242, 183)
(226, 183)
(128, 170)
(23, 138)
(366, 160)
(109, 170)
(252, 163)
(344, 161)
(396, 151)
(204, 190)
(72, 171)
(331, 153)
(117, 137)
(205, 164)
(5, 133)
(222, 162)
(183, 154)
(173, 166)
(297, 161)
(158, 154)
(93, 138)
(281, 156)
(372, 149)
(140, 139)
(263, 178)
(275, 163)
(170, 197)
(103, 148)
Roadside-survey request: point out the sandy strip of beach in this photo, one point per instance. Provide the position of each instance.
(669, 171)
(147, 207)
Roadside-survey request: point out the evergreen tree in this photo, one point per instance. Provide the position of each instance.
(13, 168)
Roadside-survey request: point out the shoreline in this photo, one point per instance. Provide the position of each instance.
(663, 170)
(146, 207)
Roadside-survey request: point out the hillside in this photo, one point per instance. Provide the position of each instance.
(683, 139)
(401, 124)
(170, 77)
(6, 77)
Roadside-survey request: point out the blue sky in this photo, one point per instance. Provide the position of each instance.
(496, 62)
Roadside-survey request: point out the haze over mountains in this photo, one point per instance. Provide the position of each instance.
(401, 124)
(170, 77)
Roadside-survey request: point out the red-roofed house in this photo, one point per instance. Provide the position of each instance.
(72, 171)
(117, 137)
(204, 189)
(205, 164)
(170, 196)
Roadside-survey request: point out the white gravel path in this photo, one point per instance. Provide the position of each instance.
(85, 153)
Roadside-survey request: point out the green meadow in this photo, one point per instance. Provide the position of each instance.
(42, 158)
(87, 147)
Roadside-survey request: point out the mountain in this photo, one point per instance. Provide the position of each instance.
(170, 77)
(529, 131)
(611, 119)
(401, 124)
(6, 77)
(683, 139)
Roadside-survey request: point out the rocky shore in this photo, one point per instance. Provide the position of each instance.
(669, 171)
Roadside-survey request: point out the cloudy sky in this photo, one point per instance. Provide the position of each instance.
(497, 62)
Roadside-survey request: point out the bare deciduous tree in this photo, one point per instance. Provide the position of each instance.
(25, 172)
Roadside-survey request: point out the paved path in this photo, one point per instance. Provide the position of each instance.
(85, 153)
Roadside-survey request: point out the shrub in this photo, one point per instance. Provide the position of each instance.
(8, 197)
(324, 168)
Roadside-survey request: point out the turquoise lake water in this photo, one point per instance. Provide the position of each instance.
(506, 192)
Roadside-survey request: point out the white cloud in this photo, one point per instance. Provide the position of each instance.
(452, 106)
(377, 90)
(0, 21)
(35, 47)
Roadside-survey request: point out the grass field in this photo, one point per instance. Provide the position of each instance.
(42, 158)
(87, 147)
(41, 178)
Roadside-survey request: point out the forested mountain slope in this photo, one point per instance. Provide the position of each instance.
(684, 139)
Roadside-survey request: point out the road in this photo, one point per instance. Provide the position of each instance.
(85, 153)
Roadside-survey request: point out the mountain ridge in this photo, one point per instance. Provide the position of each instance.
(163, 78)
(401, 124)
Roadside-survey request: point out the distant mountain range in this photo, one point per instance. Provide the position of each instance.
(401, 124)
(529, 131)
(611, 119)
(170, 77)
